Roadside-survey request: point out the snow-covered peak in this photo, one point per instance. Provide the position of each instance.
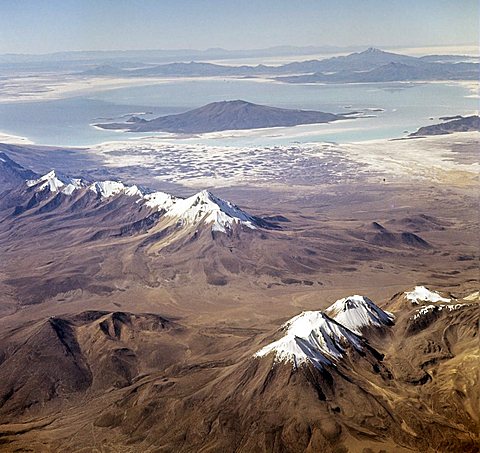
(159, 200)
(51, 182)
(107, 189)
(204, 207)
(423, 294)
(72, 185)
(133, 191)
(356, 312)
(312, 337)
(48, 180)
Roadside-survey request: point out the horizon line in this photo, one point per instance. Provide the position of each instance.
(257, 49)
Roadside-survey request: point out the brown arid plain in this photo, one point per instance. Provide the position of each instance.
(123, 331)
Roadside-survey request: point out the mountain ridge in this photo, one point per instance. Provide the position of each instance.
(349, 68)
(201, 208)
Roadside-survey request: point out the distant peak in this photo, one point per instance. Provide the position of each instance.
(373, 50)
(232, 102)
(204, 193)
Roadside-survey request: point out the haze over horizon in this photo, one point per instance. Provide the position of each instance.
(70, 25)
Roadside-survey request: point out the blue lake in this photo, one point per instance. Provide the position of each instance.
(67, 122)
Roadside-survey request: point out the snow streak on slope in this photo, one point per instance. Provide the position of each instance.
(357, 312)
(422, 294)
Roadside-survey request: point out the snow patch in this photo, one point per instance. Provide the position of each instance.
(423, 294)
(159, 200)
(432, 308)
(51, 182)
(322, 338)
(133, 191)
(107, 189)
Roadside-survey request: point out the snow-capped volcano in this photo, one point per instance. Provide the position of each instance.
(357, 312)
(204, 207)
(322, 338)
(312, 337)
(201, 208)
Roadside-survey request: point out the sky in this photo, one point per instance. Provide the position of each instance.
(44, 26)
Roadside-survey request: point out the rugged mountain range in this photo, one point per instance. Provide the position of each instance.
(225, 115)
(106, 341)
(371, 65)
(227, 241)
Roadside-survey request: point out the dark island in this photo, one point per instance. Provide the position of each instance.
(222, 116)
(462, 124)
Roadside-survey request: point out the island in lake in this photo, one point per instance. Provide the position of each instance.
(456, 124)
(222, 116)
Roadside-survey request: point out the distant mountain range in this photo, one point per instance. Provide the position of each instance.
(371, 65)
(392, 72)
(225, 115)
(170, 54)
(49, 192)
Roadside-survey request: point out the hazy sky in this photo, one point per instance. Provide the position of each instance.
(39, 26)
